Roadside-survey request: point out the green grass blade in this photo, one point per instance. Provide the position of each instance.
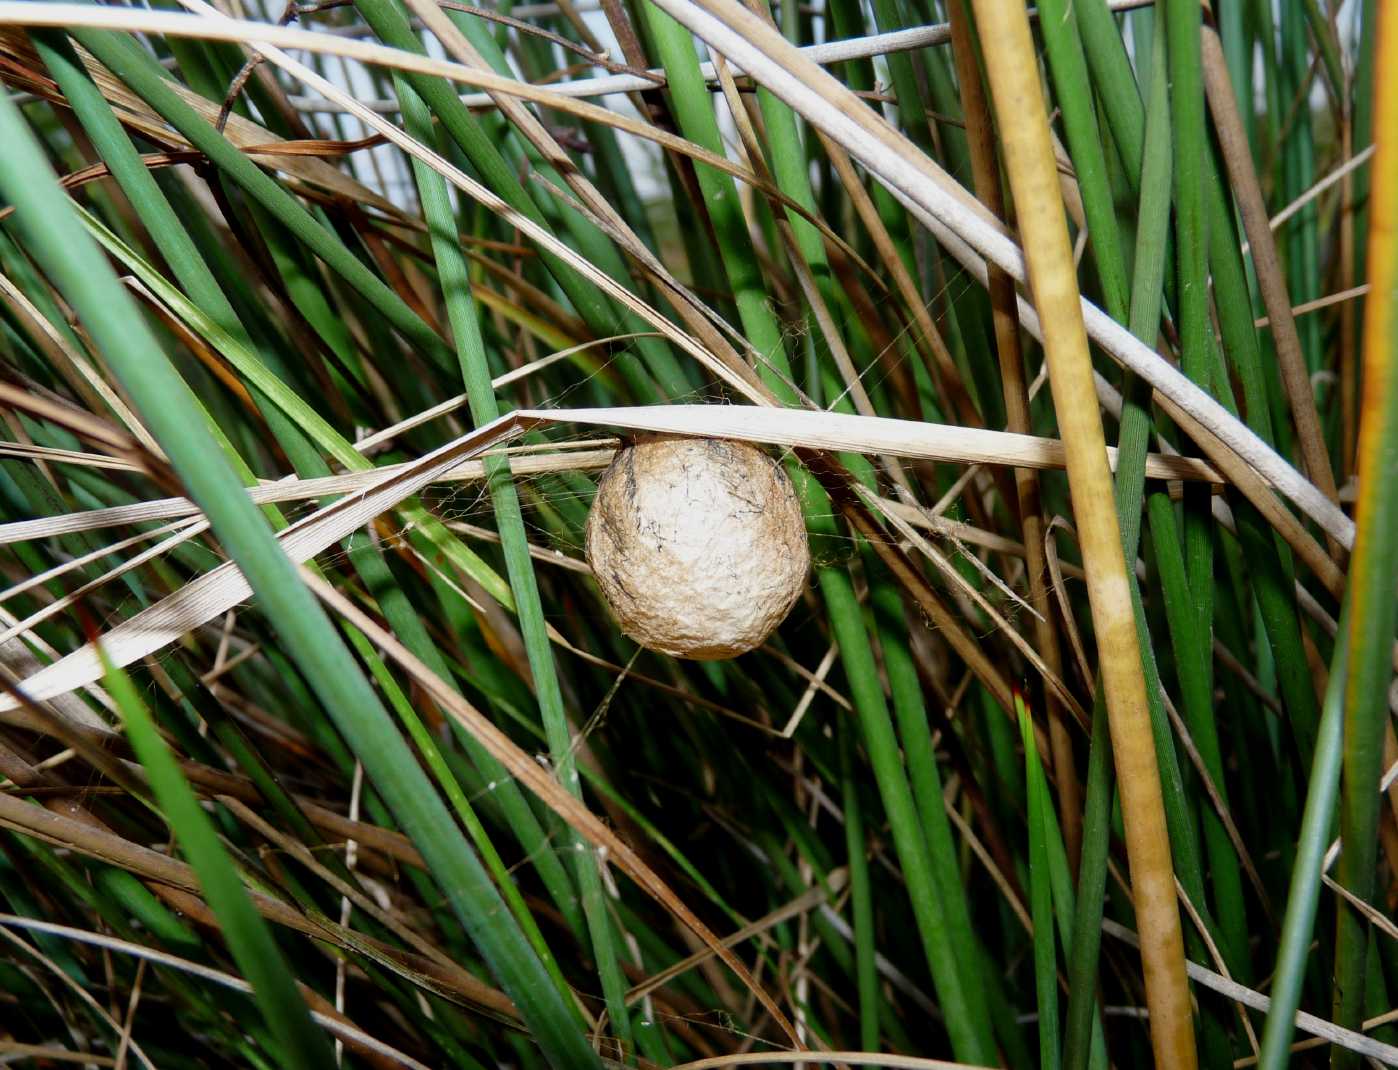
(1317, 821)
(145, 78)
(1041, 897)
(861, 898)
(1066, 60)
(461, 309)
(249, 940)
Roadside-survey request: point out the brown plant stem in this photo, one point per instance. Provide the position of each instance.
(1271, 280)
(986, 175)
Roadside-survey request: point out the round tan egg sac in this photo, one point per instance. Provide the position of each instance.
(698, 545)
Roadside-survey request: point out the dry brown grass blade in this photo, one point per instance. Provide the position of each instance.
(284, 490)
(218, 591)
(73, 986)
(47, 1052)
(1029, 161)
(744, 123)
(85, 380)
(1271, 280)
(1052, 679)
(546, 788)
(170, 874)
(354, 1038)
(154, 160)
(903, 160)
(928, 338)
(1338, 297)
(1320, 1042)
(175, 535)
(959, 531)
(986, 172)
(244, 133)
(510, 96)
(1339, 174)
(303, 854)
(837, 432)
(806, 1058)
(800, 905)
(78, 734)
(1246, 479)
(1310, 1023)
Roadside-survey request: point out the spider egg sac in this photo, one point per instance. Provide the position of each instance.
(698, 545)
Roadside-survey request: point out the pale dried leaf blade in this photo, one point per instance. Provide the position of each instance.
(879, 435)
(220, 590)
(772, 427)
(215, 592)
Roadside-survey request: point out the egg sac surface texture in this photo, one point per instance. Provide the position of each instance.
(699, 545)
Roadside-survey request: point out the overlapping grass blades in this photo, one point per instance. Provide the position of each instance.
(251, 316)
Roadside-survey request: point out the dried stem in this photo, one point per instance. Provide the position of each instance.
(1270, 277)
(980, 137)
(1029, 160)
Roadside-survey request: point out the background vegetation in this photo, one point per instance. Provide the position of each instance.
(347, 763)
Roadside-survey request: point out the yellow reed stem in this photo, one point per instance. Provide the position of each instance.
(1013, 70)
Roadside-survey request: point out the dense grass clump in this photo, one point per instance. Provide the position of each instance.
(320, 743)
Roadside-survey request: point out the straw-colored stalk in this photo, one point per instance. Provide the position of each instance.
(1013, 71)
